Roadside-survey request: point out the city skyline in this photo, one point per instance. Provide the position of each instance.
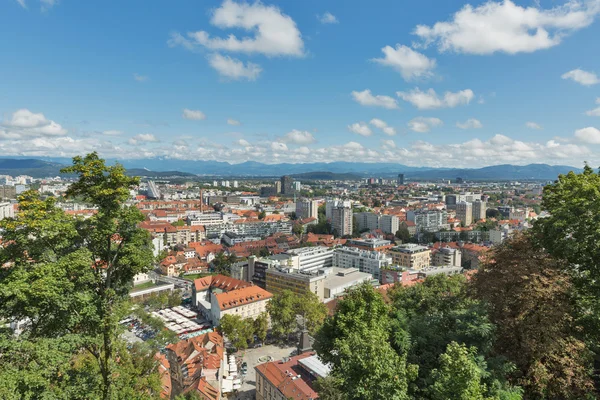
(420, 84)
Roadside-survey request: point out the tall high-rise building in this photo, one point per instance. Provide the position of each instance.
(307, 209)
(450, 201)
(341, 220)
(464, 212)
(479, 209)
(400, 179)
(287, 187)
(277, 186)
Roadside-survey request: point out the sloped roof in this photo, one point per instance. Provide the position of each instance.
(239, 297)
(222, 282)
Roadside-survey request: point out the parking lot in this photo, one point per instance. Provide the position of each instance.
(254, 357)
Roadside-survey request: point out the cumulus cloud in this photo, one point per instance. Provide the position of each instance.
(243, 142)
(143, 138)
(233, 122)
(140, 78)
(409, 63)
(194, 115)
(327, 18)
(388, 144)
(360, 128)
(275, 33)
(424, 124)
(45, 4)
(299, 137)
(430, 100)
(471, 123)
(233, 68)
(588, 135)
(23, 122)
(278, 146)
(506, 27)
(595, 112)
(533, 125)
(388, 130)
(365, 98)
(582, 77)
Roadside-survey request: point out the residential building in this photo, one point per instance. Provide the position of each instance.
(195, 365)
(518, 214)
(341, 221)
(153, 191)
(370, 262)
(371, 221)
(204, 288)
(411, 256)
(247, 302)
(307, 208)
(7, 210)
(308, 259)
(290, 378)
(8, 192)
(278, 280)
(450, 201)
(254, 228)
(297, 186)
(464, 212)
(479, 209)
(428, 220)
(338, 280)
(446, 256)
(370, 244)
(333, 203)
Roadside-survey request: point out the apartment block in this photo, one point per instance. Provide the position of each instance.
(464, 212)
(370, 262)
(411, 256)
(341, 221)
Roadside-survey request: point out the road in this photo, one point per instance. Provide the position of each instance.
(178, 282)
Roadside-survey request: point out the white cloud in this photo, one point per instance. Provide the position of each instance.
(430, 100)
(409, 63)
(195, 115)
(471, 123)
(388, 144)
(509, 28)
(582, 77)
(26, 123)
(275, 33)
(388, 130)
(47, 4)
(327, 18)
(423, 124)
(143, 138)
(233, 122)
(22, 3)
(595, 112)
(140, 78)
(365, 98)
(360, 128)
(278, 146)
(299, 137)
(533, 125)
(243, 142)
(112, 132)
(588, 135)
(233, 68)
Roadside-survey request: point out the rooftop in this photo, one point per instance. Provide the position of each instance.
(239, 297)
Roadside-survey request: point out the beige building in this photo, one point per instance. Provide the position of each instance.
(447, 256)
(479, 209)
(464, 212)
(341, 221)
(411, 256)
(297, 282)
(247, 302)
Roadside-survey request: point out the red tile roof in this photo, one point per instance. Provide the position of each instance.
(240, 297)
(283, 375)
(222, 282)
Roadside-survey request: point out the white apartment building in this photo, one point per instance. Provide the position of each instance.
(428, 220)
(307, 209)
(479, 209)
(367, 261)
(341, 221)
(7, 210)
(333, 203)
(371, 221)
(251, 228)
(447, 256)
(307, 259)
(464, 212)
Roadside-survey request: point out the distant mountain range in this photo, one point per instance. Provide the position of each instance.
(162, 168)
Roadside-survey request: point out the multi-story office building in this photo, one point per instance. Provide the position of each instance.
(341, 221)
(450, 201)
(411, 256)
(278, 280)
(310, 258)
(370, 262)
(400, 179)
(371, 221)
(277, 186)
(287, 187)
(479, 209)
(446, 256)
(464, 212)
(307, 209)
(428, 220)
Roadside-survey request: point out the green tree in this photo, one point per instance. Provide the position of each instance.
(356, 343)
(312, 310)
(297, 229)
(530, 300)
(261, 326)
(239, 331)
(179, 222)
(282, 310)
(329, 388)
(262, 215)
(72, 276)
(403, 234)
(459, 376)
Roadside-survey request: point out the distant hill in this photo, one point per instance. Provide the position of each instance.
(163, 168)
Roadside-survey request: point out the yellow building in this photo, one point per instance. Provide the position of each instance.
(411, 256)
(279, 280)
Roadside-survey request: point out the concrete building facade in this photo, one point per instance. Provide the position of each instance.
(411, 256)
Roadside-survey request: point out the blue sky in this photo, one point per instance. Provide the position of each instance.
(419, 83)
